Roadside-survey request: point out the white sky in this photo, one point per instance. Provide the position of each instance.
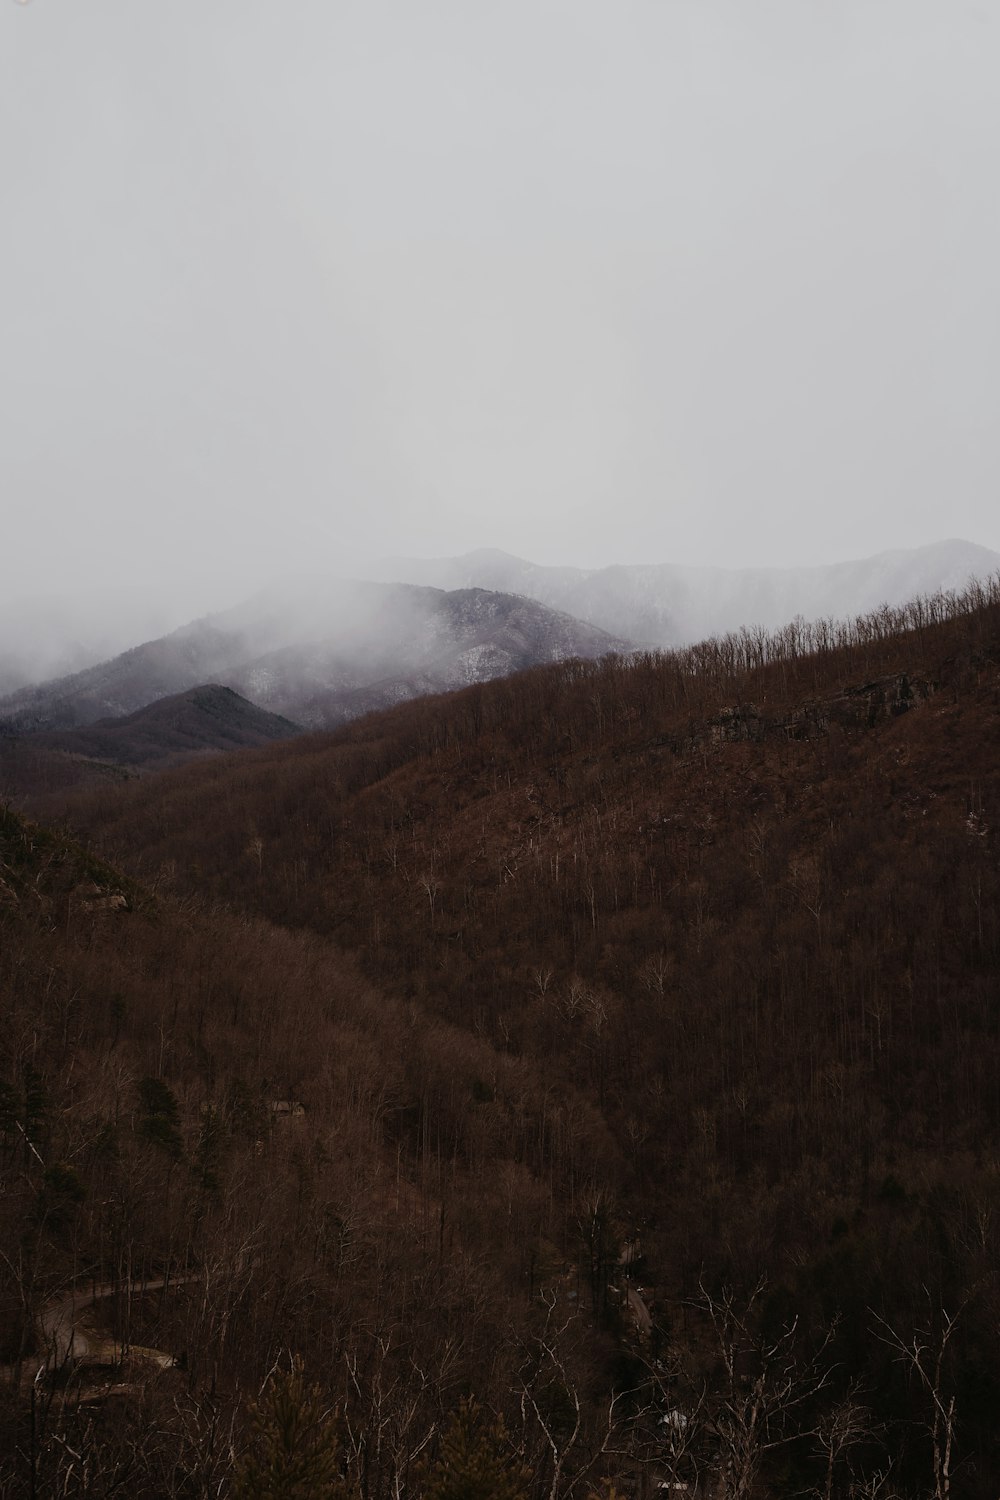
(590, 280)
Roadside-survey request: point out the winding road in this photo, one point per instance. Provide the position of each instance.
(66, 1342)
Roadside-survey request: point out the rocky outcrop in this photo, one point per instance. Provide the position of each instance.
(860, 707)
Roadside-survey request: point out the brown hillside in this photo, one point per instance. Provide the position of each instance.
(703, 947)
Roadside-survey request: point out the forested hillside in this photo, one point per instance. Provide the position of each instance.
(207, 720)
(618, 1043)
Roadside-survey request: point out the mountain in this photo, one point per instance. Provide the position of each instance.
(203, 721)
(321, 653)
(643, 1017)
(665, 604)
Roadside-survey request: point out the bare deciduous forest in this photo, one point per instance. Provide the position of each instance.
(584, 1083)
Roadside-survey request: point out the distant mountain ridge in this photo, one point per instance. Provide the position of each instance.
(207, 720)
(668, 604)
(321, 654)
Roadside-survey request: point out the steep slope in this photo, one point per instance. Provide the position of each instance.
(321, 654)
(740, 907)
(200, 1105)
(670, 605)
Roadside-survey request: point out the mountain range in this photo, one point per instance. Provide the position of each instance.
(316, 652)
(667, 604)
(321, 653)
(617, 1041)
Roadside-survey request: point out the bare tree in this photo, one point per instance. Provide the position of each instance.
(766, 1388)
(550, 1401)
(846, 1424)
(924, 1353)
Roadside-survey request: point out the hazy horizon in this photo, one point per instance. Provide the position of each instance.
(42, 638)
(287, 288)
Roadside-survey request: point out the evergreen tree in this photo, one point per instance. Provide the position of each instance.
(295, 1446)
(475, 1461)
(160, 1122)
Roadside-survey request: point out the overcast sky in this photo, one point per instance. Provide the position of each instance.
(697, 281)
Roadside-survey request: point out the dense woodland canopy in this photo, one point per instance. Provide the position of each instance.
(368, 1075)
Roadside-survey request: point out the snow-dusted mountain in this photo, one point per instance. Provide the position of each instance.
(321, 653)
(48, 635)
(664, 604)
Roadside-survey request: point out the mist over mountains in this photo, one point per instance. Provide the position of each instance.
(557, 1026)
(487, 1024)
(668, 604)
(319, 651)
(321, 654)
(48, 635)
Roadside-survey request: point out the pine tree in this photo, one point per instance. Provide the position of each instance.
(474, 1462)
(295, 1446)
(160, 1123)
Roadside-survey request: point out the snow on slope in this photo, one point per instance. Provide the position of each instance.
(321, 653)
(667, 605)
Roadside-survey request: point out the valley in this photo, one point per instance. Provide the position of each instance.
(499, 751)
(382, 1045)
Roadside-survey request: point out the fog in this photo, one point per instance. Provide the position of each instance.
(295, 286)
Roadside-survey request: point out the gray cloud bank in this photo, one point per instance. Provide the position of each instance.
(701, 281)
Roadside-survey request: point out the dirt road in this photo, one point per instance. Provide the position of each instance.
(67, 1342)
